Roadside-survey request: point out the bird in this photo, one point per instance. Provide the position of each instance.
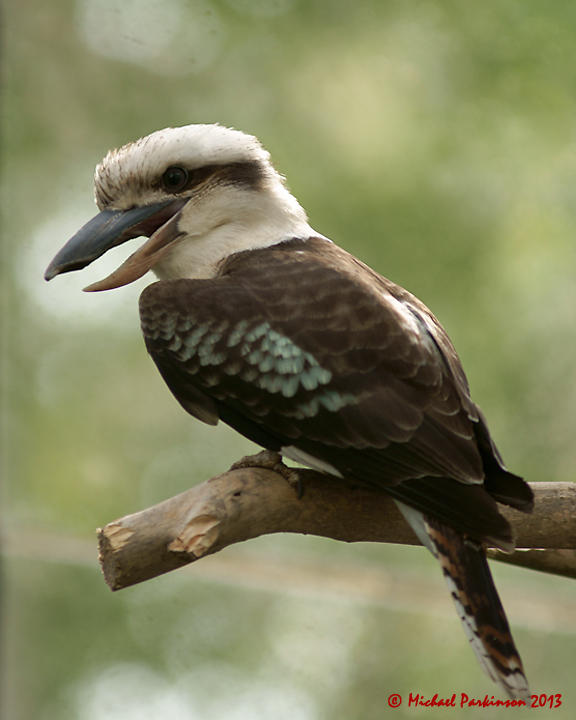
(259, 321)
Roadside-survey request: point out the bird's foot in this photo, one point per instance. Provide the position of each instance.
(270, 460)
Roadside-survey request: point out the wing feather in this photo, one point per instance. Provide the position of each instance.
(302, 345)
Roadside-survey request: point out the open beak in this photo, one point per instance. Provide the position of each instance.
(158, 222)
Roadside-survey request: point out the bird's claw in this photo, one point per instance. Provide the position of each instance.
(270, 460)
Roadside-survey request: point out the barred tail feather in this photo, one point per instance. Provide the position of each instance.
(469, 579)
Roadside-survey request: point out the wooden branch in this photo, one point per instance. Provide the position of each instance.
(555, 562)
(244, 503)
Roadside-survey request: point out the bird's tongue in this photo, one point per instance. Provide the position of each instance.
(142, 260)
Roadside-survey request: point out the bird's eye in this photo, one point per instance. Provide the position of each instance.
(175, 179)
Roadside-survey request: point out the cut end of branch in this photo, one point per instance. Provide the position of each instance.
(117, 535)
(111, 570)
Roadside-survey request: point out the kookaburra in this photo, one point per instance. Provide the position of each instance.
(263, 323)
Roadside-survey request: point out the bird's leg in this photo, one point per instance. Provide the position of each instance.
(270, 460)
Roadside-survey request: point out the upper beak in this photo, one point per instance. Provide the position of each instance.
(113, 227)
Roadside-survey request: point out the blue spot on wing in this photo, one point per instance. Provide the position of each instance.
(262, 357)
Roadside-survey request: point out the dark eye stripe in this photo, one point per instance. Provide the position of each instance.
(177, 179)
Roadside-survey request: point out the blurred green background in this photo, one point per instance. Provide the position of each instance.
(435, 140)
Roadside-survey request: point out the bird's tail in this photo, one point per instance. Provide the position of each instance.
(469, 579)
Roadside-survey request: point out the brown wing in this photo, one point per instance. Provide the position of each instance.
(302, 345)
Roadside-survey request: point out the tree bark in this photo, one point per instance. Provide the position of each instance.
(247, 502)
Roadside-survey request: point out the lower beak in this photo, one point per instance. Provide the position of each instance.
(113, 227)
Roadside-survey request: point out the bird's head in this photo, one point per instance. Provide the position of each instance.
(199, 193)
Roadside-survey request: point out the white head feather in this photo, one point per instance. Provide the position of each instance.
(220, 220)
